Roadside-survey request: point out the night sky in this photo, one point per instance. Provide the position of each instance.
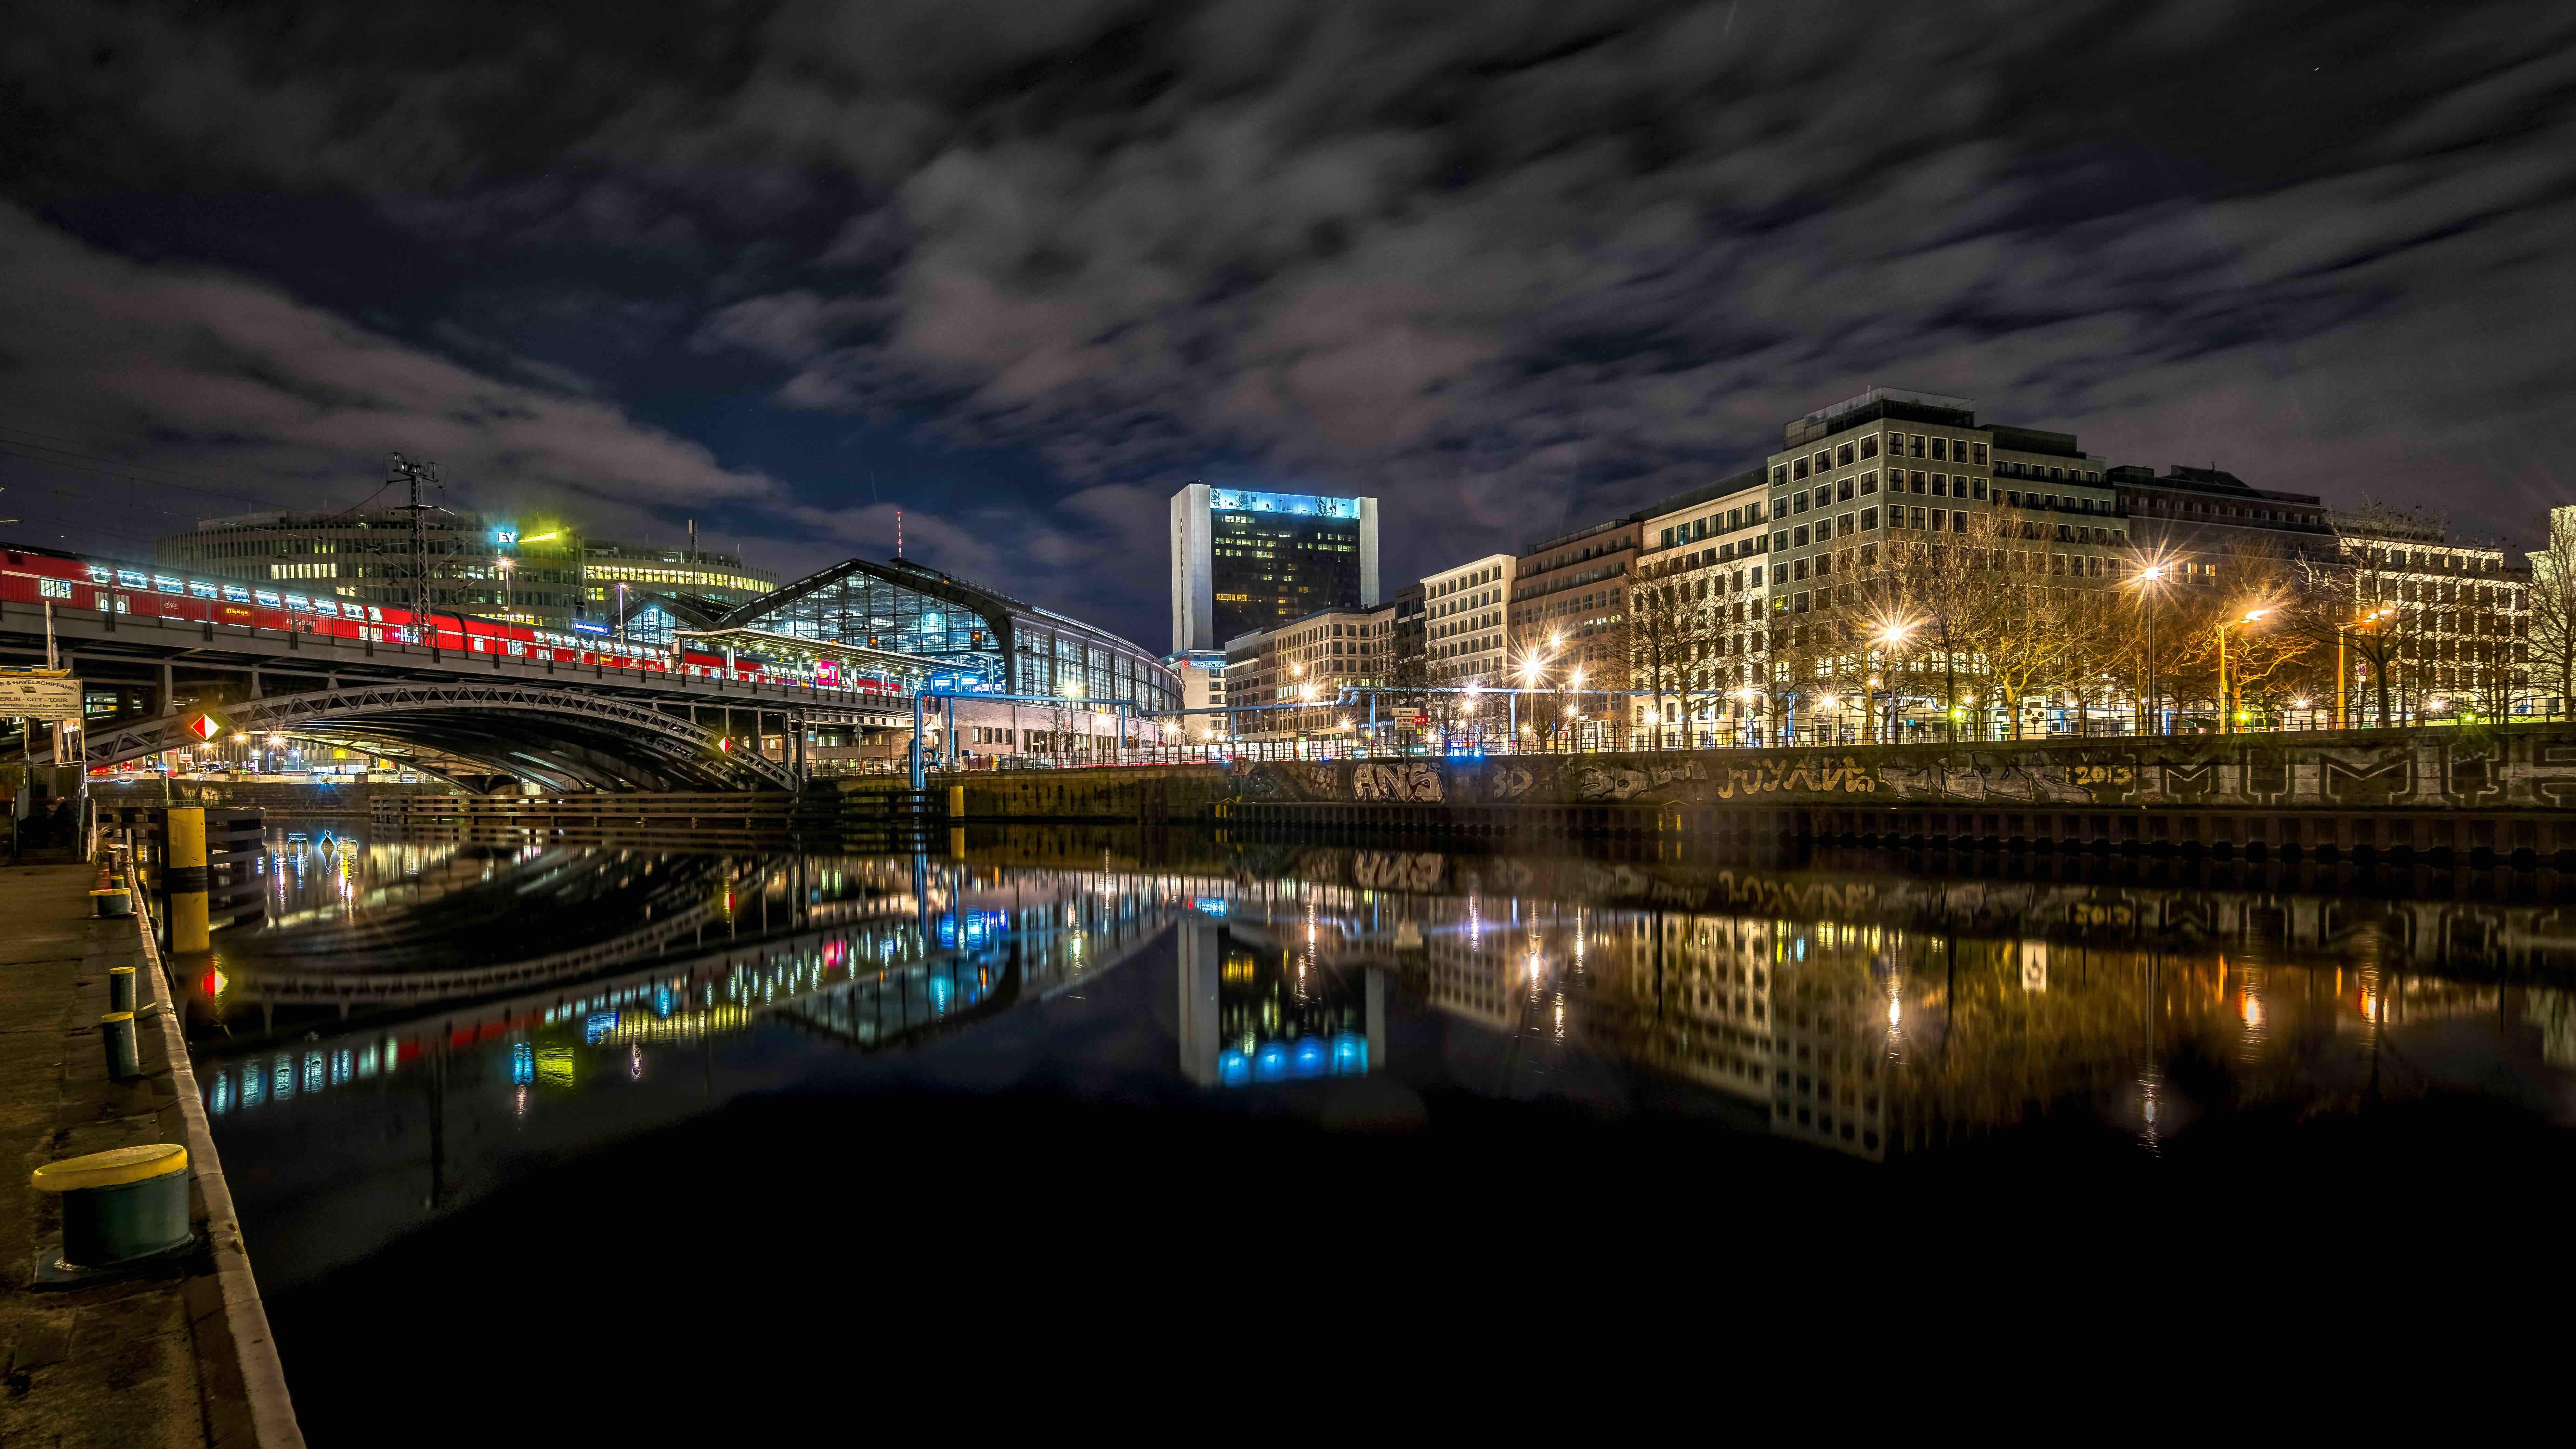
(1023, 268)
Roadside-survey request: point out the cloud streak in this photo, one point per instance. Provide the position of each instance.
(1510, 269)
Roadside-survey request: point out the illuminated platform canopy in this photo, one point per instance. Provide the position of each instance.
(913, 626)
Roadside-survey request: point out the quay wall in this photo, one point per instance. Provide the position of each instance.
(2506, 789)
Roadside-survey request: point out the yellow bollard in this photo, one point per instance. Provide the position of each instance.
(185, 878)
(956, 802)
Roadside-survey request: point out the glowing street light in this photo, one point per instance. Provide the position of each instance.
(2146, 581)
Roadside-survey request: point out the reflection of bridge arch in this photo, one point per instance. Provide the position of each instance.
(562, 739)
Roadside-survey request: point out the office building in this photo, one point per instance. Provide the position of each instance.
(1466, 621)
(2451, 620)
(720, 578)
(1569, 596)
(1244, 560)
(1703, 564)
(1311, 661)
(1202, 676)
(477, 564)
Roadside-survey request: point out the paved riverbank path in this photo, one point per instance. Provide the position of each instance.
(150, 1360)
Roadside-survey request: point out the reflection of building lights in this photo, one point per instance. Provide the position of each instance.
(1895, 1013)
(2250, 1007)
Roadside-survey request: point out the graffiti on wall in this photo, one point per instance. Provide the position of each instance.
(2531, 768)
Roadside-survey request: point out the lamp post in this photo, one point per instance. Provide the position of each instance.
(2148, 579)
(1533, 670)
(1887, 638)
(2226, 700)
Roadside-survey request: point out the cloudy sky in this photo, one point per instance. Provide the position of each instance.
(1021, 269)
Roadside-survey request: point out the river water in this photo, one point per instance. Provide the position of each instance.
(448, 1079)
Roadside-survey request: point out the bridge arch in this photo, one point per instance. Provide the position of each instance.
(561, 739)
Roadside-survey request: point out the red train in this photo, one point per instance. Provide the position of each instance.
(75, 582)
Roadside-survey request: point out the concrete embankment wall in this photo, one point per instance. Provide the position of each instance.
(2507, 790)
(1138, 793)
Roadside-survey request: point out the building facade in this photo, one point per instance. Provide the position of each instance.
(1243, 559)
(1703, 579)
(477, 564)
(1202, 676)
(1467, 622)
(1308, 664)
(912, 626)
(649, 569)
(1569, 599)
(2449, 622)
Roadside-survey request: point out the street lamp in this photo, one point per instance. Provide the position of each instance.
(2226, 701)
(2146, 581)
(1890, 634)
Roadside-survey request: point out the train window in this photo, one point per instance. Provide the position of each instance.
(299, 603)
(236, 593)
(517, 648)
(267, 599)
(132, 580)
(168, 585)
(325, 606)
(99, 575)
(375, 615)
(202, 589)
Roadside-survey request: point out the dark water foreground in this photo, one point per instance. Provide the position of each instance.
(483, 1109)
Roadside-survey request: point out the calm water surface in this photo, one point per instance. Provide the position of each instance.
(440, 1065)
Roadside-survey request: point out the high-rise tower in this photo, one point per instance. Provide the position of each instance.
(1245, 560)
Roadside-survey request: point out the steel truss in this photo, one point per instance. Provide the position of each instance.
(289, 713)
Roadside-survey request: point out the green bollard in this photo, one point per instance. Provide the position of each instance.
(121, 1204)
(124, 1051)
(120, 988)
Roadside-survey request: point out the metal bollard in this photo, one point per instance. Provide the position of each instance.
(124, 1055)
(120, 1205)
(185, 878)
(117, 901)
(120, 988)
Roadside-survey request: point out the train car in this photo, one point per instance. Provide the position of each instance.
(34, 575)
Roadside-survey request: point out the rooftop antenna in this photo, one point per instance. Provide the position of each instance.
(898, 533)
(693, 540)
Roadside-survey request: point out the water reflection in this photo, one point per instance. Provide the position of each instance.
(457, 1018)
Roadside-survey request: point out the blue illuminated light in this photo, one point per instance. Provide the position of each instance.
(1350, 1055)
(1244, 500)
(1233, 1069)
(1211, 906)
(1270, 1064)
(598, 1024)
(1308, 1058)
(523, 1062)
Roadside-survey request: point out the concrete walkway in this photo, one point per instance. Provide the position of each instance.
(145, 1362)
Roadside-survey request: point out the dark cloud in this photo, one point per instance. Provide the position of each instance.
(1510, 266)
